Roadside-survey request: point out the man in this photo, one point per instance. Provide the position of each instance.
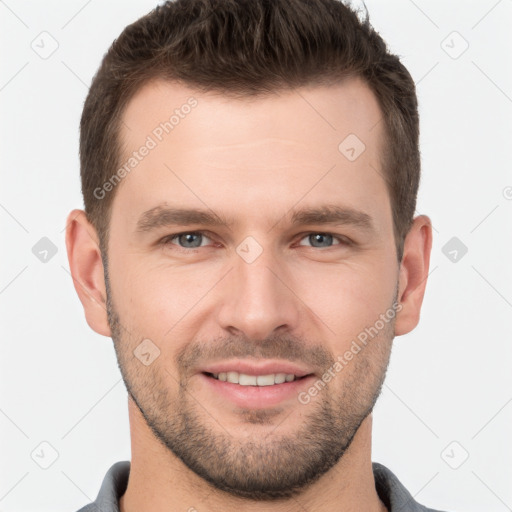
(250, 171)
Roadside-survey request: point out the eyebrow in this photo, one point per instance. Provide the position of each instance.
(334, 215)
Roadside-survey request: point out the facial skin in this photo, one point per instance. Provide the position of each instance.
(303, 299)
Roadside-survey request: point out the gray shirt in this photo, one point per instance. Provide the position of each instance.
(392, 493)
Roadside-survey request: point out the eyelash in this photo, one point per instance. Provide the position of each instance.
(167, 240)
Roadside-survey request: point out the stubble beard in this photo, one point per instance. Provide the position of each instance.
(279, 465)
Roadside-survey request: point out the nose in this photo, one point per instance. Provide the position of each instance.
(258, 298)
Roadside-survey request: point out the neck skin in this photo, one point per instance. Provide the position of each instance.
(160, 482)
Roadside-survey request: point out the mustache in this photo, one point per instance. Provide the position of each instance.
(287, 347)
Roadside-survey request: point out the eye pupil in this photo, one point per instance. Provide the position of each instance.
(320, 238)
(193, 240)
(188, 238)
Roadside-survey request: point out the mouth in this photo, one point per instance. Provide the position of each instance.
(256, 391)
(243, 379)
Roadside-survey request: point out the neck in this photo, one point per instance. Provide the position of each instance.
(159, 481)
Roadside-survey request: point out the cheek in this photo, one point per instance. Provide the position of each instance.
(349, 297)
(157, 301)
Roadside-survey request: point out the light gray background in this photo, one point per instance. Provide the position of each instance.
(449, 380)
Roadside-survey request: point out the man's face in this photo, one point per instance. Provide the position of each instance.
(271, 287)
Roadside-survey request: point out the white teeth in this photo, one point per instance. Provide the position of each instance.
(280, 378)
(247, 380)
(254, 380)
(265, 380)
(232, 377)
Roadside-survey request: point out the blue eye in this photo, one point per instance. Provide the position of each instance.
(324, 240)
(188, 240)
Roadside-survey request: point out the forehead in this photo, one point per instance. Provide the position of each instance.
(306, 114)
(227, 152)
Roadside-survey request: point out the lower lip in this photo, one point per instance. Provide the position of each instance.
(257, 397)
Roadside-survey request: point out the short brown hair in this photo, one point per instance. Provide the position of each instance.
(247, 48)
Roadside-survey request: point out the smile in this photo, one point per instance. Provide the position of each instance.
(243, 379)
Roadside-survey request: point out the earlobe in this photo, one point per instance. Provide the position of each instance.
(413, 274)
(87, 271)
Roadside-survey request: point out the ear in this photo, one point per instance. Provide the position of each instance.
(86, 267)
(413, 274)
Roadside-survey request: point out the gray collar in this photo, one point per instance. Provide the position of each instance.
(392, 493)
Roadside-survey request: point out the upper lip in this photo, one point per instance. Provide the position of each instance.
(262, 367)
